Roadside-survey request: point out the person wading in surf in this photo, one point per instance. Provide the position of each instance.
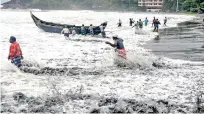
(83, 30)
(102, 30)
(91, 30)
(165, 21)
(15, 53)
(131, 21)
(146, 21)
(73, 31)
(120, 23)
(136, 27)
(140, 24)
(156, 26)
(153, 21)
(118, 45)
(66, 32)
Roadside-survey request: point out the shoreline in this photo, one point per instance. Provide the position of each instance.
(45, 10)
(98, 89)
(183, 42)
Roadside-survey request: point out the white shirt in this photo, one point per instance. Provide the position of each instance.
(65, 30)
(91, 28)
(73, 32)
(101, 28)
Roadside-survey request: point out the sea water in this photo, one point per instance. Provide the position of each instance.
(92, 61)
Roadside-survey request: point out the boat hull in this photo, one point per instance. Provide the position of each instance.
(57, 28)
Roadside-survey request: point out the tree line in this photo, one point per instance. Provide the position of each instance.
(119, 5)
(183, 5)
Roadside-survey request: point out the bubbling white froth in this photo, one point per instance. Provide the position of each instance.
(176, 81)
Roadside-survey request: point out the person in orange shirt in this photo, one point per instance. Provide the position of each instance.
(15, 53)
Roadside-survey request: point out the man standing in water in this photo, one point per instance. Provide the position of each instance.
(91, 29)
(131, 21)
(102, 31)
(146, 21)
(120, 23)
(153, 21)
(73, 31)
(15, 53)
(165, 21)
(140, 24)
(136, 27)
(83, 30)
(156, 26)
(66, 32)
(118, 45)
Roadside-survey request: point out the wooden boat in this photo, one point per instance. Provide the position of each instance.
(57, 28)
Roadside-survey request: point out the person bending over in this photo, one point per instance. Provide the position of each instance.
(15, 53)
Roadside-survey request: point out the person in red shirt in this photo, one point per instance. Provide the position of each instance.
(153, 21)
(15, 53)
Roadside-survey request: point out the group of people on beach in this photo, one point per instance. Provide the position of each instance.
(15, 53)
(139, 24)
(90, 30)
(82, 30)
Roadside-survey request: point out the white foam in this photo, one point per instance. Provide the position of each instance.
(52, 50)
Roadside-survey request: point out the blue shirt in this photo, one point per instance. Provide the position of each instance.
(119, 43)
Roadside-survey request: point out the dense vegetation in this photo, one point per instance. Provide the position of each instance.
(119, 5)
(122, 5)
(183, 5)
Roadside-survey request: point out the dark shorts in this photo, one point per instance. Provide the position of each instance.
(16, 61)
(66, 34)
(83, 32)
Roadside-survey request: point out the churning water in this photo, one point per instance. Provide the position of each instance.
(87, 63)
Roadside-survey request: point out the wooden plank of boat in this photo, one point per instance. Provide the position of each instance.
(57, 28)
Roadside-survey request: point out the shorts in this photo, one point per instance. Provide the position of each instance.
(122, 53)
(16, 61)
(66, 34)
(92, 32)
(83, 32)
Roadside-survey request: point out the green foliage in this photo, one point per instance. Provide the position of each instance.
(123, 5)
(169, 5)
(202, 5)
(189, 4)
(186, 5)
(194, 10)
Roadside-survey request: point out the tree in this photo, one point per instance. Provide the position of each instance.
(188, 4)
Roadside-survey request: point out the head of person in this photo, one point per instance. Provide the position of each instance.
(12, 39)
(115, 37)
(157, 19)
(146, 17)
(90, 24)
(82, 24)
(139, 19)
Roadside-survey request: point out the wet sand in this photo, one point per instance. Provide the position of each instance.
(183, 42)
